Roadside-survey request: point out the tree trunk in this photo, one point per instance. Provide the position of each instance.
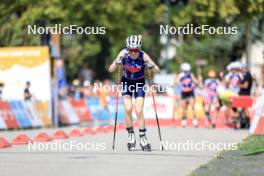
(248, 43)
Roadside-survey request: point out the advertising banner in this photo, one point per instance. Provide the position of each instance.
(20, 65)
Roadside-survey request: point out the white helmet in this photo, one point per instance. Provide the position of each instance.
(134, 41)
(186, 67)
(234, 65)
(238, 65)
(228, 67)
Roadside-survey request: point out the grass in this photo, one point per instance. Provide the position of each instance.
(252, 145)
(247, 160)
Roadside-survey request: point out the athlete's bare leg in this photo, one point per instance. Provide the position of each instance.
(139, 105)
(192, 104)
(128, 110)
(184, 105)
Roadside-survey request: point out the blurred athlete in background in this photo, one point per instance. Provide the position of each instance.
(188, 83)
(211, 100)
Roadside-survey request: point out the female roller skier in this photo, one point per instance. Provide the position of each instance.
(134, 61)
(211, 101)
(188, 83)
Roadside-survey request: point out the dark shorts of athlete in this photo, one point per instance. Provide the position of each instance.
(133, 87)
(187, 95)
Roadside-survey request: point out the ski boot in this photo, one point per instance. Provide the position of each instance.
(131, 138)
(145, 146)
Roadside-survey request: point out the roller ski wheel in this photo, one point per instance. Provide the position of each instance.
(131, 146)
(146, 147)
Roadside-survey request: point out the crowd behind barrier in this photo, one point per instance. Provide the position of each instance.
(29, 114)
(84, 102)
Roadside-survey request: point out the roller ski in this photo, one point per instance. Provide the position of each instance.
(131, 139)
(145, 146)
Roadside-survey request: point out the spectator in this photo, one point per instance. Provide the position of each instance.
(246, 81)
(1, 88)
(76, 90)
(245, 89)
(63, 93)
(87, 89)
(27, 93)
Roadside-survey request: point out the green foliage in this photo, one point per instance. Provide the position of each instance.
(251, 145)
(122, 18)
(218, 50)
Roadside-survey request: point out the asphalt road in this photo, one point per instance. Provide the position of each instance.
(98, 158)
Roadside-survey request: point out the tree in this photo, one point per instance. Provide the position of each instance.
(119, 19)
(217, 13)
(136, 17)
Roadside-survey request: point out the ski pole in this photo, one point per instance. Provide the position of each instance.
(154, 102)
(118, 81)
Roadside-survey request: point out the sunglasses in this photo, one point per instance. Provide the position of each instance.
(133, 50)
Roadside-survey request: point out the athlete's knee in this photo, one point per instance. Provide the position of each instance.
(139, 112)
(184, 105)
(128, 108)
